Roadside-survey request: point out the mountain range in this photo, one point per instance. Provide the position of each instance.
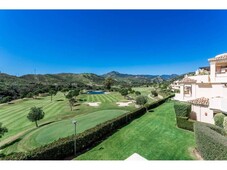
(84, 78)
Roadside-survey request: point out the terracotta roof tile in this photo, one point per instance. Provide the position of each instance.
(200, 101)
(219, 57)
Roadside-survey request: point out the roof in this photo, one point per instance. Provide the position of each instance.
(187, 80)
(200, 101)
(219, 57)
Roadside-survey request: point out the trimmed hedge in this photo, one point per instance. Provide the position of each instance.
(219, 119)
(225, 124)
(64, 147)
(185, 123)
(182, 109)
(211, 141)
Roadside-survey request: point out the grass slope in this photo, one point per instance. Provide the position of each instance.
(14, 117)
(48, 134)
(153, 136)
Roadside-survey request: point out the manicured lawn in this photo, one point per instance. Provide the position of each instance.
(145, 91)
(48, 134)
(103, 98)
(153, 136)
(14, 117)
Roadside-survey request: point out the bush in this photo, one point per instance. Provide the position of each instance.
(219, 119)
(154, 93)
(225, 124)
(137, 93)
(185, 123)
(182, 109)
(211, 141)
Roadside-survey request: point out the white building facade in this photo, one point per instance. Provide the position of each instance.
(207, 93)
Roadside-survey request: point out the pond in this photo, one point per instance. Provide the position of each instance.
(95, 92)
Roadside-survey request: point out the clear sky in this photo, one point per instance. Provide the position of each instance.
(136, 42)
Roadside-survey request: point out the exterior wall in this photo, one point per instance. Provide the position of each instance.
(221, 78)
(212, 71)
(200, 90)
(200, 78)
(203, 114)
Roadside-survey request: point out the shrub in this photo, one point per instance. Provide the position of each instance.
(211, 141)
(182, 109)
(185, 123)
(225, 124)
(154, 93)
(137, 93)
(219, 119)
(63, 147)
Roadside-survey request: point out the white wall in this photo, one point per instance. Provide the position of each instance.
(200, 78)
(213, 90)
(201, 116)
(212, 71)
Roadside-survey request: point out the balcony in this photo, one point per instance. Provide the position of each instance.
(178, 96)
(218, 103)
(221, 77)
(185, 97)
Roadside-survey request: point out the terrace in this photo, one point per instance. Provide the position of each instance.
(219, 68)
(218, 103)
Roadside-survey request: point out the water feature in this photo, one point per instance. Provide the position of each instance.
(95, 92)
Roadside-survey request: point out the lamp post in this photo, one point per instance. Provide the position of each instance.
(74, 122)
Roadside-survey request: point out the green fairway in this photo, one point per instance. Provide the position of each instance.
(145, 91)
(154, 136)
(103, 98)
(47, 134)
(14, 117)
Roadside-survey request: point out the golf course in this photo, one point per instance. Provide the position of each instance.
(153, 136)
(57, 120)
(23, 135)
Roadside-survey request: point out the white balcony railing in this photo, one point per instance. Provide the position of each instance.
(218, 103)
(178, 96)
(221, 78)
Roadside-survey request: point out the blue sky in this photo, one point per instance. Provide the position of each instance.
(136, 42)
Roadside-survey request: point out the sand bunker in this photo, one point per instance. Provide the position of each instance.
(95, 104)
(123, 104)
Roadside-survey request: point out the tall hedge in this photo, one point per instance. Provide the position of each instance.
(185, 123)
(182, 109)
(63, 147)
(211, 141)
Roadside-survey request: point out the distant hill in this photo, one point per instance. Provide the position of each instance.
(141, 78)
(62, 78)
(83, 78)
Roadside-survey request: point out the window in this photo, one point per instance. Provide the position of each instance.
(187, 90)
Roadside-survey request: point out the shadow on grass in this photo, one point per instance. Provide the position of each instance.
(93, 145)
(105, 137)
(11, 143)
(21, 137)
(59, 100)
(38, 98)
